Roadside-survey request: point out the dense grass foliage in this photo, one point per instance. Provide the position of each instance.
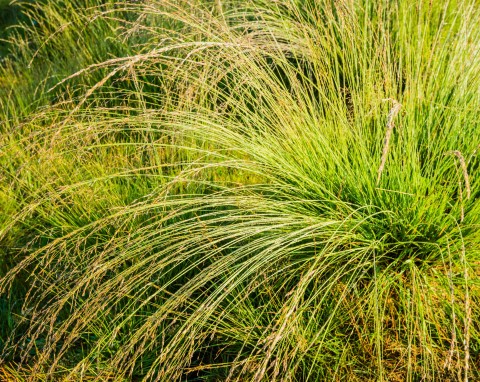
(252, 190)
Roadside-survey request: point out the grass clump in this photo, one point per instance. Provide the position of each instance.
(254, 191)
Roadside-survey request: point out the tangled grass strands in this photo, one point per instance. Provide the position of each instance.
(202, 198)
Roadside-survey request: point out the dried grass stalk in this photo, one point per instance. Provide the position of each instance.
(386, 143)
(463, 166)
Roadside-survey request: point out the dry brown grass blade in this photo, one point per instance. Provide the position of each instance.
(468, 316)
(463, 166)
(468, 308)
(388, 134)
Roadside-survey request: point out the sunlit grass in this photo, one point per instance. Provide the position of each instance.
(251, 191)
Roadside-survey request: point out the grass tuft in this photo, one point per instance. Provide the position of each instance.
(195, 192)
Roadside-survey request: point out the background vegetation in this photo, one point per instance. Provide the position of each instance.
(211, 190)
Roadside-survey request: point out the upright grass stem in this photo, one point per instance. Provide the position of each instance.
(388, 135)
